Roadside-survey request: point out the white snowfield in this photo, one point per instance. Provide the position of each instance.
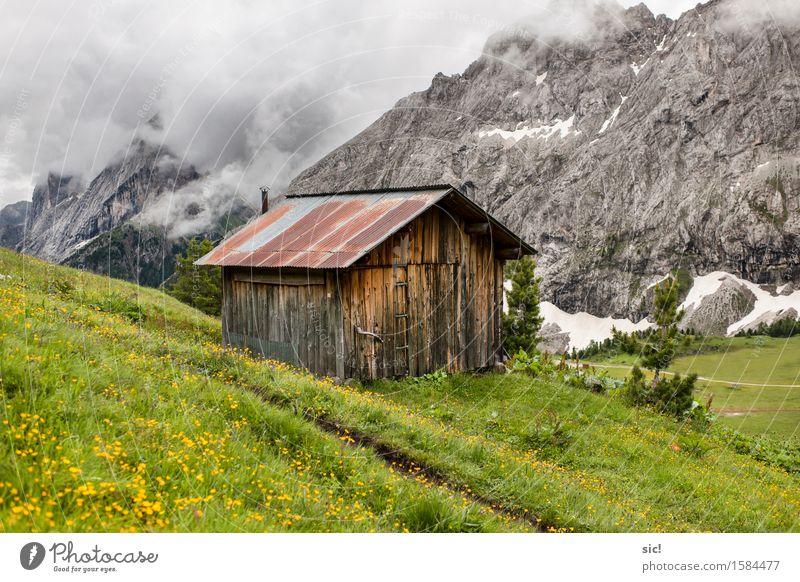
(766, 303)
(636, 68)
(561, 128)
(610, 121)
(583, 327)
(84, 243)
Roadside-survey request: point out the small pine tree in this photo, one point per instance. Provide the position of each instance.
(200, 287)
(522, 322)
(659, 350)
(673, 395)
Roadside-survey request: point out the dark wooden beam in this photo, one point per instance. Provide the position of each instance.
(509, 254)
(278, 278)
(477, 228)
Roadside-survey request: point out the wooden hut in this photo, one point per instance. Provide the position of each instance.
(370, 283)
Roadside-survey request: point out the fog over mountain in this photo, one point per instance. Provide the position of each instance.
(623, 143)
(635, 146)
(252, 93)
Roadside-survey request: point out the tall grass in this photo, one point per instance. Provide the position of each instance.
(113, 422)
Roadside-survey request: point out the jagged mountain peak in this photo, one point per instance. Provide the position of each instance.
(671, 144)
(130, 221)
(570, 25)
(64, 214)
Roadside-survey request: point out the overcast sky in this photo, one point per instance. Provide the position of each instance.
(251, 92)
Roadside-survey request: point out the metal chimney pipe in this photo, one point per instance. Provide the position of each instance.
(264, 199)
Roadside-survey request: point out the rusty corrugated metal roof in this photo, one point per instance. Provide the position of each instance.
(322, 231)
(331, 230)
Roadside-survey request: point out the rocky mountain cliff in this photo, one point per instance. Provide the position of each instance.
(651, 145)
(12, 223)
(99, 226)
(65, 215)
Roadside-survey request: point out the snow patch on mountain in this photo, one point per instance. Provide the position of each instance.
(636, 68)
(561, 128)
(768, 307)
(610, 121)
(584, 327)
(85, 242)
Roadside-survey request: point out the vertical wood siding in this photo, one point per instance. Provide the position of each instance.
(446, 282)
(454, 302)
(298, 324)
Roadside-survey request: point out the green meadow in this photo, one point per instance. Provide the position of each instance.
(754, 382)
(121, 411)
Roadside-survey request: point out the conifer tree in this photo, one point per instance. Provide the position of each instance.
(659, 349)
(522, 322)
(675, 394)
(200, 287)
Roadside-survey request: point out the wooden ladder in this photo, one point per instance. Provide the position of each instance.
(401, 304)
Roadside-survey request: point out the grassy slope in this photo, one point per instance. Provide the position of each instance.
(103, 429)
(634, 459)
(735, 362)
(153, 426)
(757, 360)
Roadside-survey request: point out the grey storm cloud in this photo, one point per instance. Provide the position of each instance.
(248, 92)
(744, 14)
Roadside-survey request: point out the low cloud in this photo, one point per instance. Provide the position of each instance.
(200, 204)
(249, 93)
(742, 15)
(568, 21)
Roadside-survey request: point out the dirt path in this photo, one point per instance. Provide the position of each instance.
(738, 411)
(407, 467)
(703, 378)
(411, 469)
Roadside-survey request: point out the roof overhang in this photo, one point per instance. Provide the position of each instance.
(334, 230)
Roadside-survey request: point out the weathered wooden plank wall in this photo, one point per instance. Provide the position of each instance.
(295, 322)
(351, 323)
(454, 301)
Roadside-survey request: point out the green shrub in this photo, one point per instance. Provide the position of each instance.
(694, 445)
(700, 416)
(783, 454)
(531, 364)
(551, 435)
(437, 378)
(669, 395)
(597, 383)
(128, 307)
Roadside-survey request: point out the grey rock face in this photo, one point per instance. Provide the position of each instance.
(145, 254)
(653, 145)
(12, 223)
(64, 215)
(101, 227)
(553, 340)
(729, 304)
